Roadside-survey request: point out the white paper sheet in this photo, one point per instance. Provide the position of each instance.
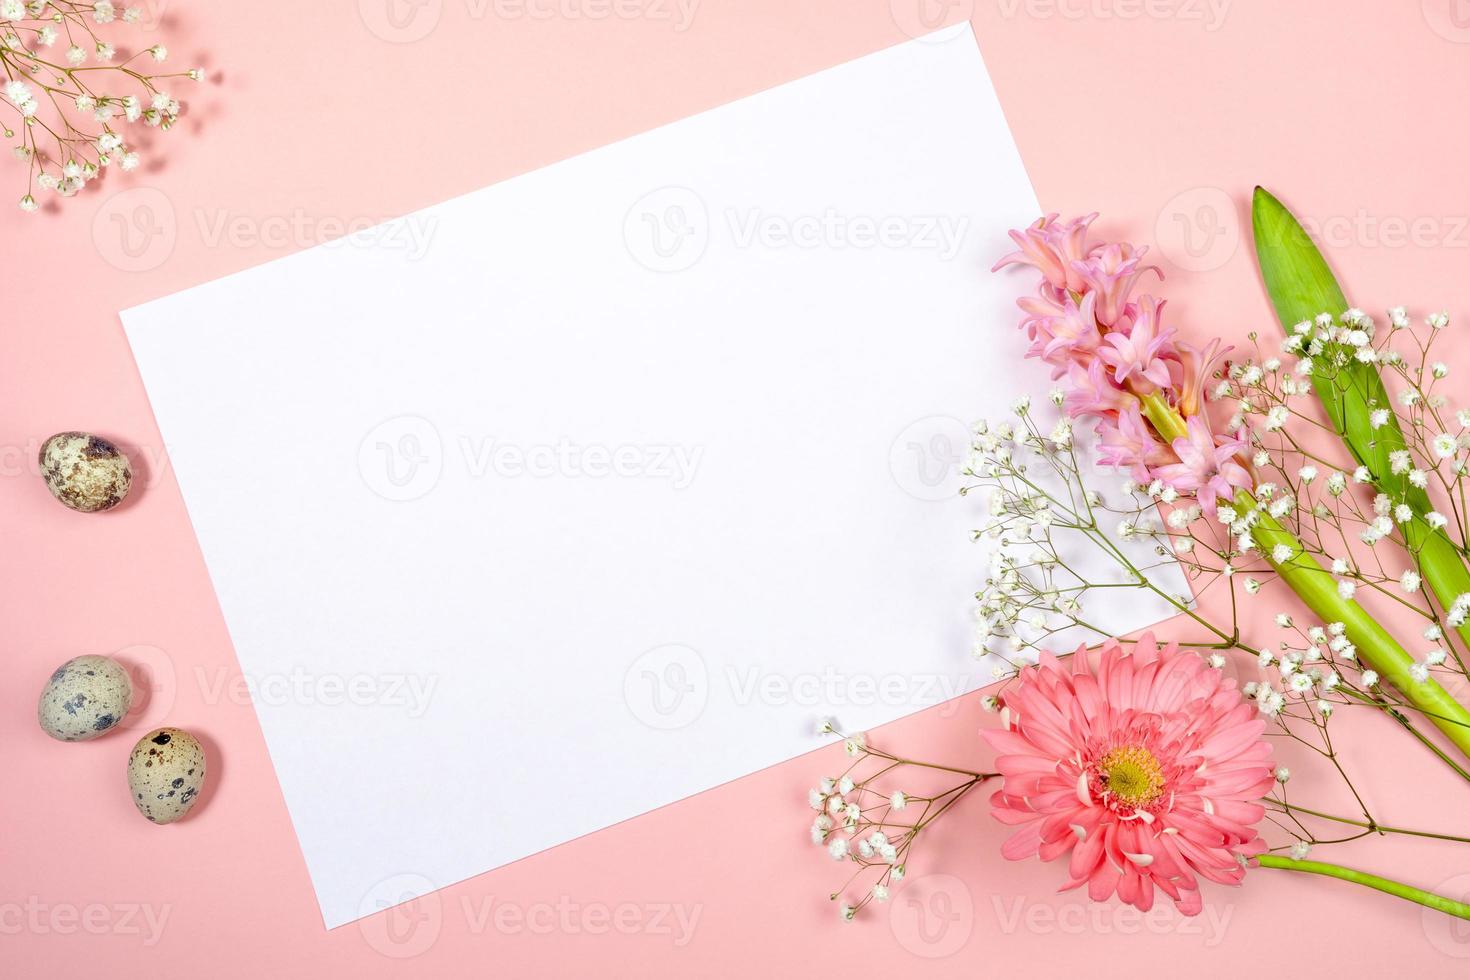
(583, 493)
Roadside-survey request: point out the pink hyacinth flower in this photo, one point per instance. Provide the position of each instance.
(1208, 467)
(1127, 440)
(1138, 356)
(1110, 274)
(1143, 776)
(1089, 392)
(1052, 246)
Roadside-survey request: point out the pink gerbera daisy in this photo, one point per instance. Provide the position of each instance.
(1146, 772)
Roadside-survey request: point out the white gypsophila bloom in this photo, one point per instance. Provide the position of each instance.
(1435, 519)
(1398, 318)
(1265, 658)
(845, 785)
(1361, 475)
(1419, 672)
(1261, 458)
(1281, 554)
(1339, 566)
(1369, 678)
(1433, 633)
(75, 55)
(1252, 586)
(1439, 369)
(846, 912)
(1217, 661)
(1307, 474)
(1276, 418)
(1434, 658)
(1300, 850)
(1326, 708)
(1403, 513)
(1283, 620)
(1398, 462)
(1409, 581)
(1337, 483)
(898, 800)
(1438, 321)
(1287, 666)
(1378, 418)
(1365, 355)
(1445, 445)
(1418, 478)
(880, 893)
(1283, 774)
(1300, 683)
(103, 12)
(838, 849)
(1409, 397)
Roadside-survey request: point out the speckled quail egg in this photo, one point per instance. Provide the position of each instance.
(85, 472)
(85, 697)
(166, 774)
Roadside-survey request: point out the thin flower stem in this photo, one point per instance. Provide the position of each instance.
(1315, 586)
(1397, 889)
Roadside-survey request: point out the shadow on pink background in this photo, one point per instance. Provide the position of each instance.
(1161, 115)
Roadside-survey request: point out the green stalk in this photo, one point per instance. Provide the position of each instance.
(1398, 890)
(1301, 285)
(1317, 588)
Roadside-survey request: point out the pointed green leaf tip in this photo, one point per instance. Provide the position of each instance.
(1297, 277)
(1301, 286)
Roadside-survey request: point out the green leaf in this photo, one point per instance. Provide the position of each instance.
(1301, 286)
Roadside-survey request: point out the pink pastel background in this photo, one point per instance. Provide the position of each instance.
(1162, 115)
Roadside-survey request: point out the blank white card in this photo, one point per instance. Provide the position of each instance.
(577, 495)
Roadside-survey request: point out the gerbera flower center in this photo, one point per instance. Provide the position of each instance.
(1131, 775)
